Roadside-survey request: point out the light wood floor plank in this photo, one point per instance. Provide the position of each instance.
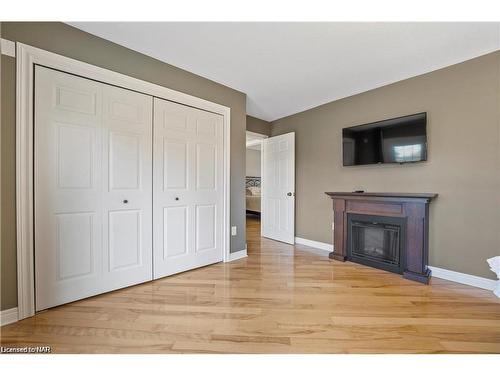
(281, 299)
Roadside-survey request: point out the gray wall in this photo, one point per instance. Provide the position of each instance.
(257, 125)
(8, 279)
(463, 167)
(68, 41)
(253, 163)
(253, 156)
(462, 102)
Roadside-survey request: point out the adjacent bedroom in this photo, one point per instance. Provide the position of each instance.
(253, 176)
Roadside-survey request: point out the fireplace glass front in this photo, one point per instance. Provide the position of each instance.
(376, 241)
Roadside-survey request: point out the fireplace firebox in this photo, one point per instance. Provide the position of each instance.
(376, 241)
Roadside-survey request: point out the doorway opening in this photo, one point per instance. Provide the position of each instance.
(253, 179)
(270, 185)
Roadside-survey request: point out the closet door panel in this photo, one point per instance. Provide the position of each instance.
(127, 197)
(68, 188)
(187, 188)
(92, 153)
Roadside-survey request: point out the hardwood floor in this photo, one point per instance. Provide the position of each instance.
(281, 299)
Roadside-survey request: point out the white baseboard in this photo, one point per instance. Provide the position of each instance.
(463, 278)
(8, 316)
(440, 273)
(315, 244)
(238, 255)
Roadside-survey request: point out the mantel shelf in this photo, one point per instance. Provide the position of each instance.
(400, 196)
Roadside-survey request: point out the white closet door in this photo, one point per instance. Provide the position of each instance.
(127, 194)
(92, 152)
(187, 188)
(278, 188)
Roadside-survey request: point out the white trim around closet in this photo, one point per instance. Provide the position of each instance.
(7, 47)
(27, 58)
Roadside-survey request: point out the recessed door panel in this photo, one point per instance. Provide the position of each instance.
(206, 126)
(283, 172)
(206, 166)
(125, 161)
(206, 227)
(75, 156)
(125, 245)
(125, 111)
(175, 164)
(175, 231)
(75, 99)
(75, 244)
(175, 119)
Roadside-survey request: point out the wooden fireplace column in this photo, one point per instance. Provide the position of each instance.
(413, 207)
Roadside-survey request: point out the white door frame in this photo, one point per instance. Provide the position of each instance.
(261, 138)
(26, 59)
(257, 135)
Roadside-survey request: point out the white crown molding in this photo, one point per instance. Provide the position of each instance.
(463, 278)
(317, 245)
(8, 316)
(238, 255)
(8, 47)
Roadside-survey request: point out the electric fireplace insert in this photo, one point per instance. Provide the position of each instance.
(377, 241)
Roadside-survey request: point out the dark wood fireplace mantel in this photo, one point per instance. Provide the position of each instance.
(414, 207)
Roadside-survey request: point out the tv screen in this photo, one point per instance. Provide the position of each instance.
(398, 140)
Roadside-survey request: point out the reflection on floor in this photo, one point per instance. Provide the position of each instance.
(281, 299)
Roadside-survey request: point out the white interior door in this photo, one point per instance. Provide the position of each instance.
(278, 188)
(187, 188)
(127, 195)
(93, 193)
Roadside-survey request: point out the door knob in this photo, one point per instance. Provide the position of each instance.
(289, 194)
(125, 201)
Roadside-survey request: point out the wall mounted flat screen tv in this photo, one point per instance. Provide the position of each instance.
(398, 140)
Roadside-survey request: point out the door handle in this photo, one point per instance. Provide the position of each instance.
(289, 194)
(176, 198)
(125, 201)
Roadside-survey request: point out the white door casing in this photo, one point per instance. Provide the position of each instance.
(187, 188)
(278, 188)
(92, 153)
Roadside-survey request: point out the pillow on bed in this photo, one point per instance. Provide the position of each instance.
(254, 190)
